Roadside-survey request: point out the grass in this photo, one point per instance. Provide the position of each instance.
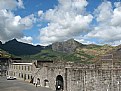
(49, 54)
(86, 54)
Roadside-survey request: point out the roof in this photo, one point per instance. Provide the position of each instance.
(44, 61)
(16, 58)
(22, 63)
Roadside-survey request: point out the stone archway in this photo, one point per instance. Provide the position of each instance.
(59, 83)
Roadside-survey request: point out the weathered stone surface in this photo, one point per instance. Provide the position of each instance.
(105, 76)
(66, 47)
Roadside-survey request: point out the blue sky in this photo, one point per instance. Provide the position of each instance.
(33, 6)
(47, 21)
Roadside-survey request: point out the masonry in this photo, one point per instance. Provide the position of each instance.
(60, 76)
(4, 63)
(21, 70)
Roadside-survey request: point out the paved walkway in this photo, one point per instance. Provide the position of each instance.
(16, 85)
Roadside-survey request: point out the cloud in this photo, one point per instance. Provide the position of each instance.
(103, 12)
(20, 4)
(28, 21)
(116, 17)
(67, 20)
(108, 28)
(83, 41)
(11, 26)
(8, 4)
(11, 4)
(26, 39)
(106, 33)
(40, 13)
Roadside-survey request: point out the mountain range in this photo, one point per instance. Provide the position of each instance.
(69, 50)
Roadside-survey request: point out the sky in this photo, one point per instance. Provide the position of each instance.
(43, 22)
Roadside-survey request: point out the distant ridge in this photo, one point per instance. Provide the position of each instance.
(70, 50)
(19, 49)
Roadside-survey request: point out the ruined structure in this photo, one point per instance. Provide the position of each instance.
(104, 75)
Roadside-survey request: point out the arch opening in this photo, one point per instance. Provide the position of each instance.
(59, 83)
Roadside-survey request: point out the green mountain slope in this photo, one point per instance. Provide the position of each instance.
(69, 50)
(18, 48)
(92, 53)
(85, 54)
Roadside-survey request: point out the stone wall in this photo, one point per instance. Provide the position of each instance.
(93, 80)
(77, 77)
(4, 64)
(82, 77)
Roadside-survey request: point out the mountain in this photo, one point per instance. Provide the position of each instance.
(92, 52)
(0, 43)
(72, 50)
(68, 46)
(18, 48)
(69, 50)
(115, 54)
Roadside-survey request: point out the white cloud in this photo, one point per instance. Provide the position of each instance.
(108, 29)
(11, 26)
(40, 13)
(28, 21)
(20, 4)
(26, 40)
(84, 41)
(115, 43)
(103, 12)
(116, 17)
(11, 4)
(106, 33)
(8, 4)
(66, 21)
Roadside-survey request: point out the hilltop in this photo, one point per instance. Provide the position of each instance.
(68, 46)
(18, 48)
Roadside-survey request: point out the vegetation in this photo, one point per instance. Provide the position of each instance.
(86, 54)
(81, 53)
(18, 48)
(4, 54)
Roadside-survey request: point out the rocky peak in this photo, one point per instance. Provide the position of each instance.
(68, 46)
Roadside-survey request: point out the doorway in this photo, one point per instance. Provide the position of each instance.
(59, 83)
(46, 83)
